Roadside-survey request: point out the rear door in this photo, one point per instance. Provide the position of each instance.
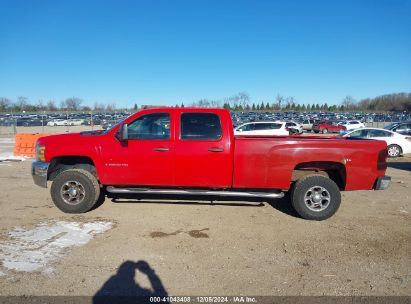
(203, 155)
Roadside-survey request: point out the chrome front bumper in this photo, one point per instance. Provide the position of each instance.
(39, 173)
(382, 183)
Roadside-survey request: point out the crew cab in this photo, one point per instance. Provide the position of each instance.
(192, 151)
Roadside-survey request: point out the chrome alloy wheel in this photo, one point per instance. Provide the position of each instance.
(317, 198)
(72, 192)
(393, 151)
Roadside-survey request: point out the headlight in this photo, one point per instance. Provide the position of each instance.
(40, 152)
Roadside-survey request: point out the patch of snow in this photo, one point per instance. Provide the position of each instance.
(32, 250)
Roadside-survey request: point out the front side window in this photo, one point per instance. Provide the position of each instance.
(150, 126)
(200, 126)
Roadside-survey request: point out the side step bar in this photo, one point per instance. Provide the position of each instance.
(115, 190)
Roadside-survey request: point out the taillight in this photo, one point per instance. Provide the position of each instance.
(382, 160)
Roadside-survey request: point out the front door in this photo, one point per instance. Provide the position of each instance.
(146, 158)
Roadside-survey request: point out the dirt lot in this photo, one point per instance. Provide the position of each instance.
(225, 248)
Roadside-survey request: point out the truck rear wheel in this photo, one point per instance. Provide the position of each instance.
(315, 197)
(75, 191)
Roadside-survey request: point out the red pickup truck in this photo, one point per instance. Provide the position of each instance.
(192, 151)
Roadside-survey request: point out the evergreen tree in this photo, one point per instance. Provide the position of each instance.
(308, 107)
(262, 106)
(182, 105)
(253, 107)
(317, 106)
(267, 106)
(303, 108)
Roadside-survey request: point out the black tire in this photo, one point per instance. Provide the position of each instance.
(316, 131)
(305, 208)
(394, 151)
(325, 131)
(80, 179)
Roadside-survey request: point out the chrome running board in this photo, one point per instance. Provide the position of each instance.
(115, 190)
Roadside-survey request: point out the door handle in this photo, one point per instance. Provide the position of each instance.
(161, 149)
(216, 149)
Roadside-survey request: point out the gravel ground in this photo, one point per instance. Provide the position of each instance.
(220, 248)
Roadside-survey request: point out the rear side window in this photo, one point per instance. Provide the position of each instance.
(379, 133)
(200, 126)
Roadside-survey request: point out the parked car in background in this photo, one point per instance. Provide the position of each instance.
(397, 144)
(294, 128)
(352, 124)
(403, 128)
(327, 127)
(76, 122)
(307, 124)
(262, 128)
(57, 122)
(108, 124)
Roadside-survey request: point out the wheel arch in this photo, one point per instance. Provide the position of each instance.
(61, 163)
(336, 171)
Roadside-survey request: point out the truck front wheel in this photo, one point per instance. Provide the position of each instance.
(75, 191)
(315, 197)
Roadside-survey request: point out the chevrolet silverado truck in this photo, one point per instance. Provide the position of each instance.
(192, 151)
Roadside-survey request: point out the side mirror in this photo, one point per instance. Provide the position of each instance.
(122, 133)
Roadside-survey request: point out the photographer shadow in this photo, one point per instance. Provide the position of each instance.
(123, 288)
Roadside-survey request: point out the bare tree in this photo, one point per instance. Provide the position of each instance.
(98, 106)
(73, 103)
(349, 103)
(279, 100)
(40, 105)
(4, 104)
(51, 105)
(243, 99)
(111, 107)
(22, 103)
(63, 105)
